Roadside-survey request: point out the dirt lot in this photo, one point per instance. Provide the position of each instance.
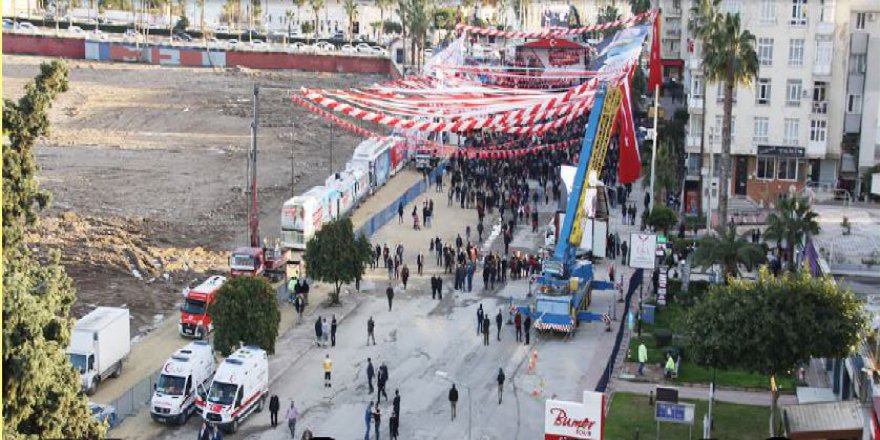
(147, 167)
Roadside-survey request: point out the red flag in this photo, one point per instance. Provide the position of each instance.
(655, 76)
(630, 164)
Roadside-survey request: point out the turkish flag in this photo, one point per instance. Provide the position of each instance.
(655, 76)
(630, 163)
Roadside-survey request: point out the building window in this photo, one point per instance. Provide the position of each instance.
(732, 6)
(719, 126)
(798, 12)
(762, 129)
(796, 52)
(860, 20)
(768, 11)
(786, 168)
(766, 168)
(792, 127)
(697, 86)
(858, 63)
(818, 130)
(793, 90)
(765, 51)
(763, 92)
(696, 127)
(854, 103)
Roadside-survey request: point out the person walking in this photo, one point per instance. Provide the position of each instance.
(479, 319)
(420, 262)
(500, 379)
(371, 327)
(486, 326)
(433, 287)
(400, 213)
(370, 373)
(643, 357)
(453, 399)
(499, 318)
(333, 332)
(299, 306)
(377, 419)
(325, 331)
(404, 277)
(292, 415)
(368, 419)
(389, 292)
(381, 381)
(274, 406)
(394, 425)
(517, 322)
(318, 329)
(395, 403)
(623, 251)
(218, 434)
(527, 326)
(328, 367)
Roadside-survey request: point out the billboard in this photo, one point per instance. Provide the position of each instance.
(575, 420)
(642, 250)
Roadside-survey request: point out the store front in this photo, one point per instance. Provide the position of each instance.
(775, 171)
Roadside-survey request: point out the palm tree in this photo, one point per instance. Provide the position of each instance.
(730, 251)
(316, 6)
(288, 14)
(202, 16)
(403, 7)
(606, 15)
(351, 10)
(728, 56)
(639, 6)
(299, 4)
(382, 5)
(790, 224)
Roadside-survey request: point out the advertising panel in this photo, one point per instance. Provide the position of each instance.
(575, 420)
(642, 250)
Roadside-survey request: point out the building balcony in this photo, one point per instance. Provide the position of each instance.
(816, 148)
(825, 28)
(820, 107)
(822, 69)
(672, 12)
(695, 104)
(693, 141)
(694, 62)
(673, 33)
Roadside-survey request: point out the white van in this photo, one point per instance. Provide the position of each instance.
(186, 372)
(239, 388)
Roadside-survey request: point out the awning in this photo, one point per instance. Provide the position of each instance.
(553, 43)
(672, 62)
(820, 421)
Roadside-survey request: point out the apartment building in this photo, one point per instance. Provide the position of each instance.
(788, 126)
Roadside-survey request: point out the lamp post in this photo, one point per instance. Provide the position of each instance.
(445, 376)
(711, 178)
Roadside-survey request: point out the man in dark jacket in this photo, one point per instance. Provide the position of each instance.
(500, 378)
(453, 399)
(370, 373)
(318, 331)
(527, 327)
(517, 322)
(389, 292)
(371, 327)
(274, 406)
(204, 432)
(396, 402)
(499, 318)
(486, 325)
(381, 380)
(333, 332)
(479, 319)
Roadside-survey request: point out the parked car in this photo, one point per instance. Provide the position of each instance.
(378, 50)
(364, 48)
(76, 30)
(338, 35)
(300, 46)
(347, 48)
(104, 413)
(130, 33)
(182, 36)
(222, 29)
(27, 26)
(324, 46)
(232, 42)
(97, 34)
(8, 24)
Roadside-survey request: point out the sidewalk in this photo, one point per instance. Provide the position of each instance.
(702, 393)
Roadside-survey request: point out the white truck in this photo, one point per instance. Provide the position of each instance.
(185, 375)
(239, 389)
(99, 344)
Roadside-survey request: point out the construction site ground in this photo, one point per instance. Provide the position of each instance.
(147, 170)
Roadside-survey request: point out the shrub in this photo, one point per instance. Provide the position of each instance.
(663, 337)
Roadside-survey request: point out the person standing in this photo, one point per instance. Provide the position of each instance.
(204, 431)
(500, 378)
(479, 319)
(404, 277)
(394, 425)
(527, 326)
(299, 305)
(389, 292)
(292, 415)
(318, 329)
(420, 262)
(439, 288)
(623, 250)
(218, 434)
(370, 373)
(333, 332)
(274, 406)
(643, 357)
(453, 399)
(433, 287)
(371, 327)
(517, 322)
(395, 403)
(486, 326)
(400, 213)
(499, 318)
(328, 367)
(325, 331)
(368, 418)
(377, 419)
(381, 381)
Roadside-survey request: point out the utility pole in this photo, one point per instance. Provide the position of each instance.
(253, 213)
(331, 145)
(654, 146)
(711, 178)
(292, 165)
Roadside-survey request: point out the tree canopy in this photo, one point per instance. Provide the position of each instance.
(730, 250)
(793, 220)
(662, 218)
(334, 255)
(245, 313)
(41, 389)
(773, 324)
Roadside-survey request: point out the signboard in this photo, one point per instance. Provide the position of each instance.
(642, 249)
(875, 184)
(575, 420)
(682, 413)
(661, 285)
(780, 151)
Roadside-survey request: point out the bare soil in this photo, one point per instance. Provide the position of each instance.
(147, 168)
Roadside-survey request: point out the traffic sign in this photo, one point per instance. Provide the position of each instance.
(682, 413)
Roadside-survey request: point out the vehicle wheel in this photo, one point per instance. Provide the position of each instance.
(234, 426)
(118, 370)
(200, 334)
(111, 420)
(93, 385)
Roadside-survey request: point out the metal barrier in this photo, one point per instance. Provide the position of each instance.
(634, 282)
(389, 212)
(130, 402)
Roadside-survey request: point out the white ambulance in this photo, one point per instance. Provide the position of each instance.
(186, 372)
(239, 388)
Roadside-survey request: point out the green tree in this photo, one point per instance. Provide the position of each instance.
(383, 6)
(771, 325)
(334, 255)
(639, 6)
(245, 313)
(41, 389)
(351, 10)
(606, 15)
(662, 218)
(730, 251)
(728, 57)
(419, 16)
(793, 220)
(316, 6)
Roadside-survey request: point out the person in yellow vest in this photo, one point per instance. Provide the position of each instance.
(328, 367)
(670, 366)
(643, 357)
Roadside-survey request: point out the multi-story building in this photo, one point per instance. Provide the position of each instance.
(789, 125)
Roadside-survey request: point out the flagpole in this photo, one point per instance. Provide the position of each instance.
(654, 146)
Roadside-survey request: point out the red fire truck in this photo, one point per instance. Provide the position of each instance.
(195, 322)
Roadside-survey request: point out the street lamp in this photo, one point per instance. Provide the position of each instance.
(445, 376)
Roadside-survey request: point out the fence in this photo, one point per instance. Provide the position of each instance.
(634, 282)
(130, 402)
(389, 212)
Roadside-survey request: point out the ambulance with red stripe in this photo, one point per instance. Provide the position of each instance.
(239, 388)
(194, 318)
